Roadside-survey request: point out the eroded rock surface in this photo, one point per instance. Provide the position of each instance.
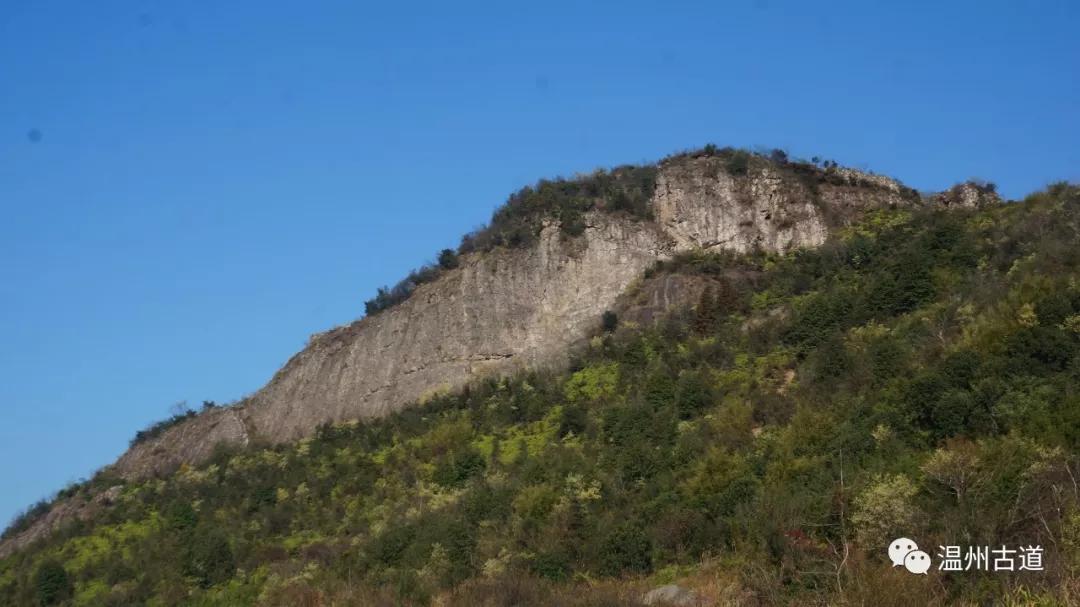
(967, 195)
(672, 595)
(78, 507)
(191, 441)
(702, 206)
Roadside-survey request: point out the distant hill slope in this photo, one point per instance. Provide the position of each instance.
(753, 422)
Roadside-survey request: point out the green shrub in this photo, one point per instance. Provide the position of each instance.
(388, 297)
(52, 583)
(778, 156)
(593, 383)
(484, 502)
(23, 520)
(181, 516)
(389, 546)
(693, 395)
(554, 566)
(627, 549)
(574, 420)
(609, 321)
(818, 318)
(738, 163)
(158, 428)
(208, 558)
(459, 467)
(448, 259)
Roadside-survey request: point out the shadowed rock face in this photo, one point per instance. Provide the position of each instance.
(511, 309)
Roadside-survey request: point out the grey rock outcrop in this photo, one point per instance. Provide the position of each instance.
(672, 595)
(496, 313)
(80, 506)
(967, 195)
(711, 209)
(700, 205)
(191, 441)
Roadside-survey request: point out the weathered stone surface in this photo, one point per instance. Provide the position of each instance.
(190, 441)
(967, 195)
(496, 313)
(702, 206)
(78, 507)
(671, 595)
(845, 193)
(646, 301)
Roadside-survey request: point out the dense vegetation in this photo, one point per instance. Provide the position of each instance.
(918, 375)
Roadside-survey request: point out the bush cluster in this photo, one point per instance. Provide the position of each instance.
(158, 428)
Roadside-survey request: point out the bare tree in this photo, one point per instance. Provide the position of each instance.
(179, 408)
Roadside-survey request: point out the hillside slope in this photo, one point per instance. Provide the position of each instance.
(916, 375)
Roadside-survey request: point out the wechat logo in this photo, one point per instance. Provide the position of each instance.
(904, 552)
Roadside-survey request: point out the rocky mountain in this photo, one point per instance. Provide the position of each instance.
(723, 379)
(511, 308)
(515, 308)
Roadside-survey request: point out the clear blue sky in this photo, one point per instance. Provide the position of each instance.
(190, 189)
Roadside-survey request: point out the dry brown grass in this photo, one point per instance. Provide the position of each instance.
(718, 583)
(510, 590)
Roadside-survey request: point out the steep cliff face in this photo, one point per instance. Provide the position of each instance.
(700, 205)
(496, 313)
(711, 209)
(511, 309)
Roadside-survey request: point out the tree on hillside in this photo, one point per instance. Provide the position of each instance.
(52, 583)
(448, 259)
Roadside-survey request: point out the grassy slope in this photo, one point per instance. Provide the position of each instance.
(916, 376)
